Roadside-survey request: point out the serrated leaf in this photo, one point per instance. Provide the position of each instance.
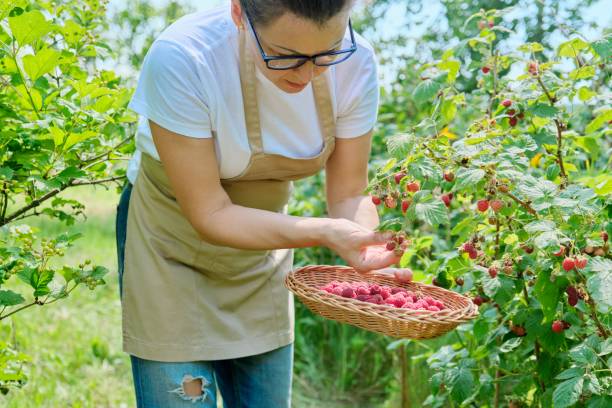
(570, 373)
(568, 392)
(29, 27)
(511, 344)
(433, 212)
(399, 146)
(540, 226)
(603, 47)
(599, 121)
(10, 298)
(43, 62)
(599, 283)
(585, 93)
(543, 110)
(572, 48)
(585, 72)
(426, 90)
(468, 178)
(548, 294)
(463, 385)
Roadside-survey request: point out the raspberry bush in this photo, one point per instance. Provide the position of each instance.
(505, 192)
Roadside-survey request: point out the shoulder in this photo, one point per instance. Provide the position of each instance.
(197, 39)
(362, 64)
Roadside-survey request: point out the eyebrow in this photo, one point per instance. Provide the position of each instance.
(299, 53)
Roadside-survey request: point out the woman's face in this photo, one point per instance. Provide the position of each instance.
(289, 35)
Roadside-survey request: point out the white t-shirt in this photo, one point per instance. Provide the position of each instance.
(190, 85)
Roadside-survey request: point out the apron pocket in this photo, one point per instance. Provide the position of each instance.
(232, 263)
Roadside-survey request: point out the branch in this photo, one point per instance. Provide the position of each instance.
(523, 204)
(35, 302)
(603, 332)
(101, 155)
(560, 154)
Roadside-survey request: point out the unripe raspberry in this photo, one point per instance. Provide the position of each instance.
(504, 188)
(482, 24)
(491, 24)
(511, 112)
(560, 252)
(390, 202)
(468, 247)
(496, 205)
(527, 248)
(533, 68)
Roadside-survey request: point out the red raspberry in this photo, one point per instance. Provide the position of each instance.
(568, 264)
(433, 308)
(473, 254)
(493, 271)
(485, 70)
(491, 24)
(348, 293)
(405, 205)
(581, 262)
(497, 205)
(519, 331)
(385, 293)
(376, 200)
(338, 291)
(449, 176)
(482, 24)
(478, 300)
(363, 290)
(483, 205)
(513, 121)
(399, 176)
(560, 252)
(413, 186)
(390, 245)
(446, 199)
(511, 112)
(375, 289)
(468, 247)
(558, 326)
(604, 236)
(507, 102)
(572, 295)
(521, 115)
(398, 290)
(527, 248)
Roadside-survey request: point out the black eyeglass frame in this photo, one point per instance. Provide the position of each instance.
(305, 58)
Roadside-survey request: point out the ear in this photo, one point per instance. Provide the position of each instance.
(237, 14)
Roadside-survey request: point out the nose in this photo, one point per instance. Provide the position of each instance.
(305, 72)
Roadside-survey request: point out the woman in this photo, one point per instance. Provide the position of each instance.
(235, 103)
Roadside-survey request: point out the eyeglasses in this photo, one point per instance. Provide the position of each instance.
(324, 59)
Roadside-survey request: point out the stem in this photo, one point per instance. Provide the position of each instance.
(559, 126)
(536, 345)
(35, 302)
(603, 332)
(523, 204)
(497, 388)
(405, 402)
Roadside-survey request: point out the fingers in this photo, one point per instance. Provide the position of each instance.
(381, 260)
(403, 275)
(376, 238)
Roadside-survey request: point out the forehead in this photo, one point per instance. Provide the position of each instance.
(305, 36)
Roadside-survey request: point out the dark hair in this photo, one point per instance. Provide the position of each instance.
(263, 12)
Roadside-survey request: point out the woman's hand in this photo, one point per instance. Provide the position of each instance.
(400, 274)
(361, 248)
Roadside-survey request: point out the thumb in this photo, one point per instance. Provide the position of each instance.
(377, 237)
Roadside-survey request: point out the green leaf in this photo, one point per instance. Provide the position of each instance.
(463, 385)
(583, 354)
(543, 110)
(448, 110)
(603, 46)
(572, 48)
(433, 212)
(567, 393)
(599, 283)
(39, 282)
(399, 146)
(585, 93)
(571, 373)
(10, 298)
(511, 344)
(604, 401)
(582, 73)
(29, 27)
(43, 62)
(548, 294)
(426, 90)
(468, 178)
(599, 121)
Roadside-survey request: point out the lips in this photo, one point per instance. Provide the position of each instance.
(295, 85)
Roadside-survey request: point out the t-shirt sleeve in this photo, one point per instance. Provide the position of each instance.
(358, 96)
(170, 91)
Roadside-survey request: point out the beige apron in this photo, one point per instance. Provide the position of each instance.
(187, 300)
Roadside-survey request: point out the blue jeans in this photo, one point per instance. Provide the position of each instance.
(260, 381)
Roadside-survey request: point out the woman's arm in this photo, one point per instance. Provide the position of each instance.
(347, 178)
(191, 166)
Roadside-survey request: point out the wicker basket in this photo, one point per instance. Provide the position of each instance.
(396, 322)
